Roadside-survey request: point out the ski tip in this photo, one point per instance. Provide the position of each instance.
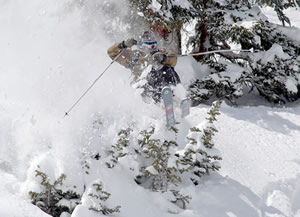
(66, 114)
(166, 91)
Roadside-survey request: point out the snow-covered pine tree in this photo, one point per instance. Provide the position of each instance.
(154, 165)
(158, 172)
(272, 70)
(180, 199)
(118, 150)
(199, 157)
(51, 199)
(98, 197)
(279, 6)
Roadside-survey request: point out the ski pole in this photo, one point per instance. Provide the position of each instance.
(90, 87)
(213, 51)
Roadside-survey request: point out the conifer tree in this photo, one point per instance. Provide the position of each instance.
(118, 150)
(156, 161)
(99, 198)
(159, 173)
(199, 157)
(232, 74)
(180, 199)
(50, 196)
(279, 6)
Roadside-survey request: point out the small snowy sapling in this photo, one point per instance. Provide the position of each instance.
(51, 199)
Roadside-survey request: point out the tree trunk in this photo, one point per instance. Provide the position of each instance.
(203, 38)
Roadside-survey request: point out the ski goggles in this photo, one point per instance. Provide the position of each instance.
(149, 45)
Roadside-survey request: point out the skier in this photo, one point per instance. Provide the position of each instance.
(138, 58)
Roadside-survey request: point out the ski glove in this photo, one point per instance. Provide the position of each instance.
(128, 43)
(160, 58)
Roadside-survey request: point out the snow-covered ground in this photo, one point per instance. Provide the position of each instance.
(260, 149)
(48, 57)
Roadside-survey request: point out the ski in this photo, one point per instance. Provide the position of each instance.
(185, 105)
(167, 97)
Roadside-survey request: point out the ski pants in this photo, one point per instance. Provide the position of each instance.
(158, 79)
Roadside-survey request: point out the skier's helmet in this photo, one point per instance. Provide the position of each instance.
(148, 41)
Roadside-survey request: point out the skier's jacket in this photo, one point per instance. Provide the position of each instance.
(137, 60)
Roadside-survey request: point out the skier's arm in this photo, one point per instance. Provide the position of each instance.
(172, 61)
(116, 49)
(172, 58)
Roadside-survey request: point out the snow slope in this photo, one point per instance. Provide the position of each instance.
(11, 204)
(49, 55)
(260, 149)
